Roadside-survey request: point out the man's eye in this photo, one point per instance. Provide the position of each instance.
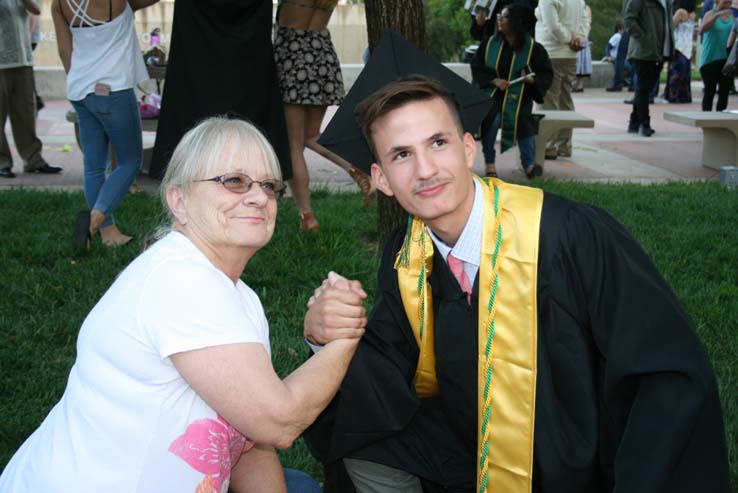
(439, 143)
(401, 155)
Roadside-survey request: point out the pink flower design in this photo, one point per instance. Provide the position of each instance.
(210, 447)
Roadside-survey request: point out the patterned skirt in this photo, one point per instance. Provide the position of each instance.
(308, 67)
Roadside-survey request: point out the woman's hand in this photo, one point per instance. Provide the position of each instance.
(527, 79)
(335, 311)
(501, 84)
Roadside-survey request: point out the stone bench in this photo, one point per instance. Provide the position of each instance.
(147, 125)
(552, 122)
(720, 135)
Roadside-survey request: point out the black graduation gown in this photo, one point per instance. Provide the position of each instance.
(626, 397)
(220, 62)
(541, 65)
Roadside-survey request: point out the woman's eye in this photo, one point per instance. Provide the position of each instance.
(269, 185)
(233, 180)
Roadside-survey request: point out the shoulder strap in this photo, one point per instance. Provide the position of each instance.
(79, 13)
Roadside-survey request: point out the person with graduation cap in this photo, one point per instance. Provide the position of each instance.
(515, 71)
(518, 342)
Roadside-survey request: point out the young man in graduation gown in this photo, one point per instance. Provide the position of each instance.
(555, 358)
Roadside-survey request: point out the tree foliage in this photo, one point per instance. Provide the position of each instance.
(604, 16)
(447, 28)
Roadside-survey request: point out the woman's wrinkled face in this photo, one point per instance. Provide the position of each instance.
(227, 219)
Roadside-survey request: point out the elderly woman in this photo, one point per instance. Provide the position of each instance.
(173, 389)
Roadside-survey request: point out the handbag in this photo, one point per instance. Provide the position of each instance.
(731, 65)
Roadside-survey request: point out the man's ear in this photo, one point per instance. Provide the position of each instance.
(380, 180)
(176, 202)
(470, 149)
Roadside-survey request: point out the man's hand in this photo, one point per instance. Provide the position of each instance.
(576, 43)
(335, 311)
(501, 84)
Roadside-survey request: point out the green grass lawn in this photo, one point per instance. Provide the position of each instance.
(690, 231)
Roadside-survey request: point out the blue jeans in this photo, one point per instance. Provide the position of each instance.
(299, 482)
(489, 136)
(106, 120)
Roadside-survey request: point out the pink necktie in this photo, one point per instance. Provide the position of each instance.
(457, 269)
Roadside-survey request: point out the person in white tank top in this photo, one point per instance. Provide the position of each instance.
(99, 50)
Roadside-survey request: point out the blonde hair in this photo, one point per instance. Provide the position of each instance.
(203, 148)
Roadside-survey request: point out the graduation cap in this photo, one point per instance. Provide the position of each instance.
(392, 59)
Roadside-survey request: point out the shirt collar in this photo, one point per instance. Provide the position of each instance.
(469, 246)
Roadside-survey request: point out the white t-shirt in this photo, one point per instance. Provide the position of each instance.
(613, 45)
(128, 421)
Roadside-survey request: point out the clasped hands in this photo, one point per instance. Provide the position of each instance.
(576, 44)
(335, 311)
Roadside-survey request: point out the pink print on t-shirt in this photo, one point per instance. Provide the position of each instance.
(210, 447)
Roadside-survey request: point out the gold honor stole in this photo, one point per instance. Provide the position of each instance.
(507, 330)
(514, 95)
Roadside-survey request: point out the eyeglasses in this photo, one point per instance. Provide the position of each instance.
(241, 183)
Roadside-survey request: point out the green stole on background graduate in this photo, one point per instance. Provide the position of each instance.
(507, 332)
(514, 95)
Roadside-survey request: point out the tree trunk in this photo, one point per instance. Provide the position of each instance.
(407, 18)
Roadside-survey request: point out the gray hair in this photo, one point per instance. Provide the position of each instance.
(201, 151)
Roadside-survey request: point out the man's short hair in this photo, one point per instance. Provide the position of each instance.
(409, 89)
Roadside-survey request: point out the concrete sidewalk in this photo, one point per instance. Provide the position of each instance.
(606, 153)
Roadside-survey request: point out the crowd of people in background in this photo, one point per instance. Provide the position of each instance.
(650, 35)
